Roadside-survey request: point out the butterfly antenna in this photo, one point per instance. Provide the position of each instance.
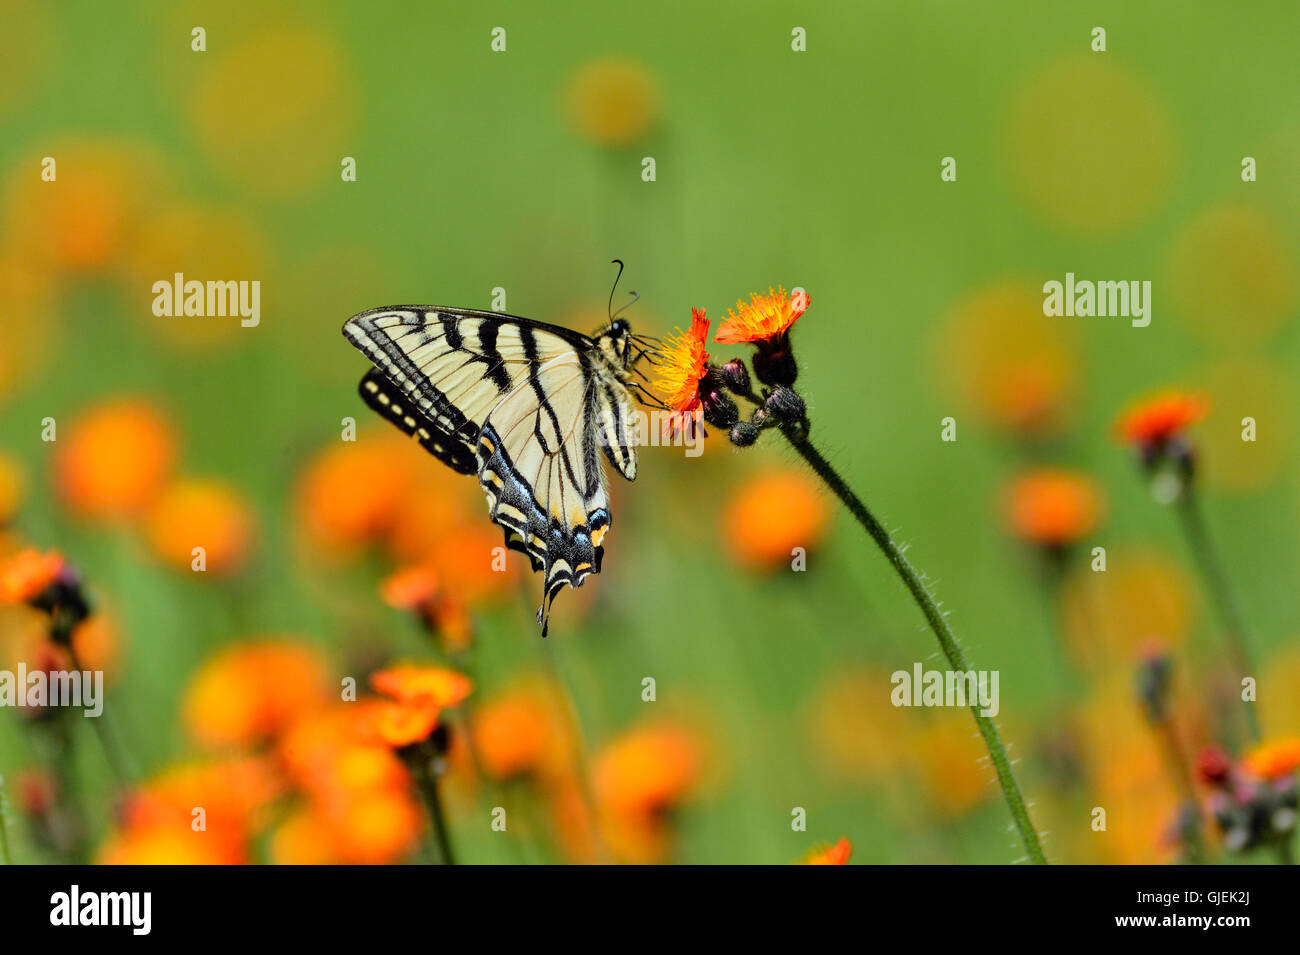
(609, 309)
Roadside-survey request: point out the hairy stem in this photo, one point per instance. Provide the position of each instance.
(797, 435)
(1225, 605)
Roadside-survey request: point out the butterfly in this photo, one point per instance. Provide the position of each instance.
(531, 408)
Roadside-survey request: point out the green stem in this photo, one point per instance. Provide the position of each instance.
(1225, 605)
(797, 435)
(103, 730)
(4, 830)
(428, 784)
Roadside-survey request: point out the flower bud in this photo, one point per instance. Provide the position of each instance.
(744, 434)
(785, 405)
(736, 376)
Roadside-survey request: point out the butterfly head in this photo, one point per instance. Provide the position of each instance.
(615, 343)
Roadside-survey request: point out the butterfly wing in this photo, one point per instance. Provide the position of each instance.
(451, 365)
(539, 464)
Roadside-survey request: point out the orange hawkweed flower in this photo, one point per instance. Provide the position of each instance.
(410, 588)
(1275, 759)
(764, 318)
(249, 692)
(637, 780)
(413, 683)
(1157, 418)
(360, 802)
(523, 730)
(613, 102)
(397, 723)
(1052, 506)
(201, 513)
(417, 588)
(11, 488)
(352, 494)
(773, 513)
(647, 770)
(27, 574)
(683, 364)
(114, 459)
(837, 854)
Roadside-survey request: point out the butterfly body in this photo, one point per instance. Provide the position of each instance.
(533, 409)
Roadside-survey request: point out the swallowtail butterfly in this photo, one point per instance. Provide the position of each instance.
(528, 407)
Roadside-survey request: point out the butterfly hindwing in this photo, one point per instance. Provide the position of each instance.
(450, 449)
(540, 468)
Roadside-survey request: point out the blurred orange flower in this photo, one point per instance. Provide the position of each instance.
(637, 780)
(200, 813)
(115, 458)
(1275, 759)
(360, 804)
(24, 576)
(251, 691)
(837, 854)
(400, 723)
(11, 488)
(195, 512)
(352, 494)
(1157, 418)
(1005, 363)
(523, 730)
(83, 221)
(613, 101)
(417, 588)
(415, 683)
(764, 317)
(1052, 506)
(97, 642)
(773, 513)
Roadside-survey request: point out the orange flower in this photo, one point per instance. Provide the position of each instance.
(613, 102)
(167, 844)
(97, 642)
(11, 488)
(115, 459)
(413, 683)
(637, 780)
(1275, 759)
(400, 723)
(1157, 418)
(772, 514)
(523, 730)
(194, 513)
(417, 588)
(410, 588)
(352, 494)
(230, 797)
(233, 794)
(1052, 506)
(647, 771)
(249, 692)
(837, 854)
(764, 318)
(683, 363)
(361, 807)
(27, 574)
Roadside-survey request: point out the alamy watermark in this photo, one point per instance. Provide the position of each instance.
(1085, 298)
(922, 687)
(41, 688)
(192, 298)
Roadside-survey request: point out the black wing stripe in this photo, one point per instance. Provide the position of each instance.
(380, 394)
